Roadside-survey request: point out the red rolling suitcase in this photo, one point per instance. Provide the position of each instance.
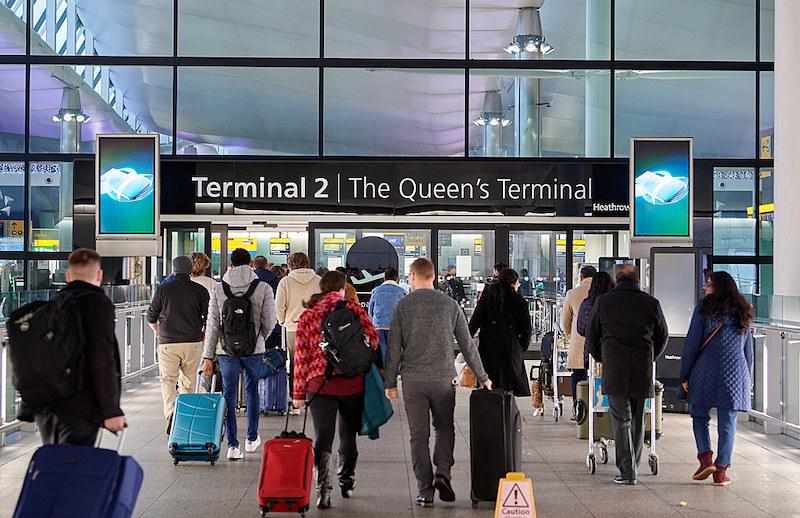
(287, 472)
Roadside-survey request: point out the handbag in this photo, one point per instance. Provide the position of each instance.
(685, 394)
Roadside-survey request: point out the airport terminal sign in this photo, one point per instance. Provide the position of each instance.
(568, 189)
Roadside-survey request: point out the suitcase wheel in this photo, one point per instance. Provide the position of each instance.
(175, 462)
(213, 461)
(603, 455)
(474, 504)
(580, 412)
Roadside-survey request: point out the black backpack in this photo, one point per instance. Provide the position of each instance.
(238, 333)
(46, 347)
(345, 346)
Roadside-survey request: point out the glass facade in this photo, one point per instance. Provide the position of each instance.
(357, 78)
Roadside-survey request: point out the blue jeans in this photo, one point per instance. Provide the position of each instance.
(254, 369)
(726, 430)
(383, 344)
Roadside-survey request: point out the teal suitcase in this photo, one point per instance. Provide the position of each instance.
(197, 424)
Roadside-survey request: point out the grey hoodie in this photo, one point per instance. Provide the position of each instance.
(239, 279)
(293, 290)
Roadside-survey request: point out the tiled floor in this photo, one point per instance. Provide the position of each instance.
(766, 474)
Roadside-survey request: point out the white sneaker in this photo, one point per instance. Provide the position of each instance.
(234, 453)
(252, 446)
(294, 411)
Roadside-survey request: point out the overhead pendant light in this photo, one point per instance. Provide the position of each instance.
(492, 113)
(529, 36)
(70, 109)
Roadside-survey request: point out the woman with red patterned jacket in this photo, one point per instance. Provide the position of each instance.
(341, 395)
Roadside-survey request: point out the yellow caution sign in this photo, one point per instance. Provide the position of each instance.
(515, 497)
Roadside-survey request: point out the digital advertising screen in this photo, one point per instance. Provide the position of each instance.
(127, 185)
(661, 189)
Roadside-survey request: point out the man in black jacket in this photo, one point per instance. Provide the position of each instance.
(76, 420)
(627, 333)
(178, 314)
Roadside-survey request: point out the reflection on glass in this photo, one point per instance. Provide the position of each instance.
(51, 206)
(409, 244)
(331, 248)
(101, 28)
(388, 29)
(12, 211)
(12, 107)
(181, 241)
(539, 113)
(275, 246)
(743, 274)
(216, 255)
(587, 249)
(716, 108)
(48, 274)
(236, 28)
(722, 30)
(766, 212)
(564, 29)
(381, 112)
(538, 260)
(767, 30)
(734, 222)
(13, 16)
(70, 105)
(766, 123)
(247, 111)
(466, 263)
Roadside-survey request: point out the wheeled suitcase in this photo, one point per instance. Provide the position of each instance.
(65, 481)
(273, 393)
(287, 472)
(495, 440)
(197, 424)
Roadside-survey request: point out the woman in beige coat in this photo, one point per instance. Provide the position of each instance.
(569, 323)
(293, 291)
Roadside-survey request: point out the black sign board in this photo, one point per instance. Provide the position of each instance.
(412, 186)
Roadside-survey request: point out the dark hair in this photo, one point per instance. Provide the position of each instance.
(588, 271)
(497, 292)
(390, 274)
(240, 257)
(499, 267)
(278, 271)
(628, 273)
(330, 282)
(260, 261)
(601, 283)
(726, 300)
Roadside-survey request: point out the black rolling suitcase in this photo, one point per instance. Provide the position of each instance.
(495, 441)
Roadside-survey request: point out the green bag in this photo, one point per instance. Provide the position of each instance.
(377, 408)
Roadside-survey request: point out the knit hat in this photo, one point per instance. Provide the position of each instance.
(182, 265)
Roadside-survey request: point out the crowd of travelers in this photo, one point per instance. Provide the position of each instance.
(412, 337)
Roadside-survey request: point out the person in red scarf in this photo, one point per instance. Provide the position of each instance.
(338, 394)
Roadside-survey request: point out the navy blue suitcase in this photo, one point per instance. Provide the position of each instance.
(66, 481)
(273, 393)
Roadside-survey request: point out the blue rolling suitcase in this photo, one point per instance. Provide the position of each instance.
(197, 426)
(273, 393)
(65, 481)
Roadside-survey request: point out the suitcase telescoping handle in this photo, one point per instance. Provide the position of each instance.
(120, 438)
(197, 382)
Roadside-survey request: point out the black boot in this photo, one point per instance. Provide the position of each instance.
(324, 487)
(347, 474)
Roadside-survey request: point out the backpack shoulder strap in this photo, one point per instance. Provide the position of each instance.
(252, 288)
(226, 288)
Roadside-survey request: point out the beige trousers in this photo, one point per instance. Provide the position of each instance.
(178, 361)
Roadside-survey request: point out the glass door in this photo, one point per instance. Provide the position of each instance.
(182, 240)
(466, 262)
(540, 259)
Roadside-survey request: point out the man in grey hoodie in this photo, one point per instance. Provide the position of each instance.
(239, 279)
(421, 349)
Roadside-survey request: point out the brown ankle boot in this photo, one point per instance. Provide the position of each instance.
(707, 466)
(721, 476)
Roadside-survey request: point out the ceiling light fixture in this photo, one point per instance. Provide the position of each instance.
(70, 109)
(529, 36)
(492, 113)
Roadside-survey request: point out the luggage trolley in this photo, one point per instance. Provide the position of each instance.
(598, 402)
(556, 358)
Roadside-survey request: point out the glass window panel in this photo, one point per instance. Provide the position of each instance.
(765, 279)
(540, 113)
(271, 245)
(245, 28)
(713, 30)
(716, 108)
(766, 123)
(112, 28)
(50, 201)
(767, 52)
(743, 274)
(12, 108)
(60, 97)
(380, 112)
(539, 260)
(248, 111)
(466, 260)
(587, 249)
(12, 211)
(46, 274)
(573, 29)
(734, 222)
(766, 213)
(391, 29)
(12, 26)
(409, 244)
(331, 247)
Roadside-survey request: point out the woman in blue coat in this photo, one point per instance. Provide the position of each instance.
(717, 359)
